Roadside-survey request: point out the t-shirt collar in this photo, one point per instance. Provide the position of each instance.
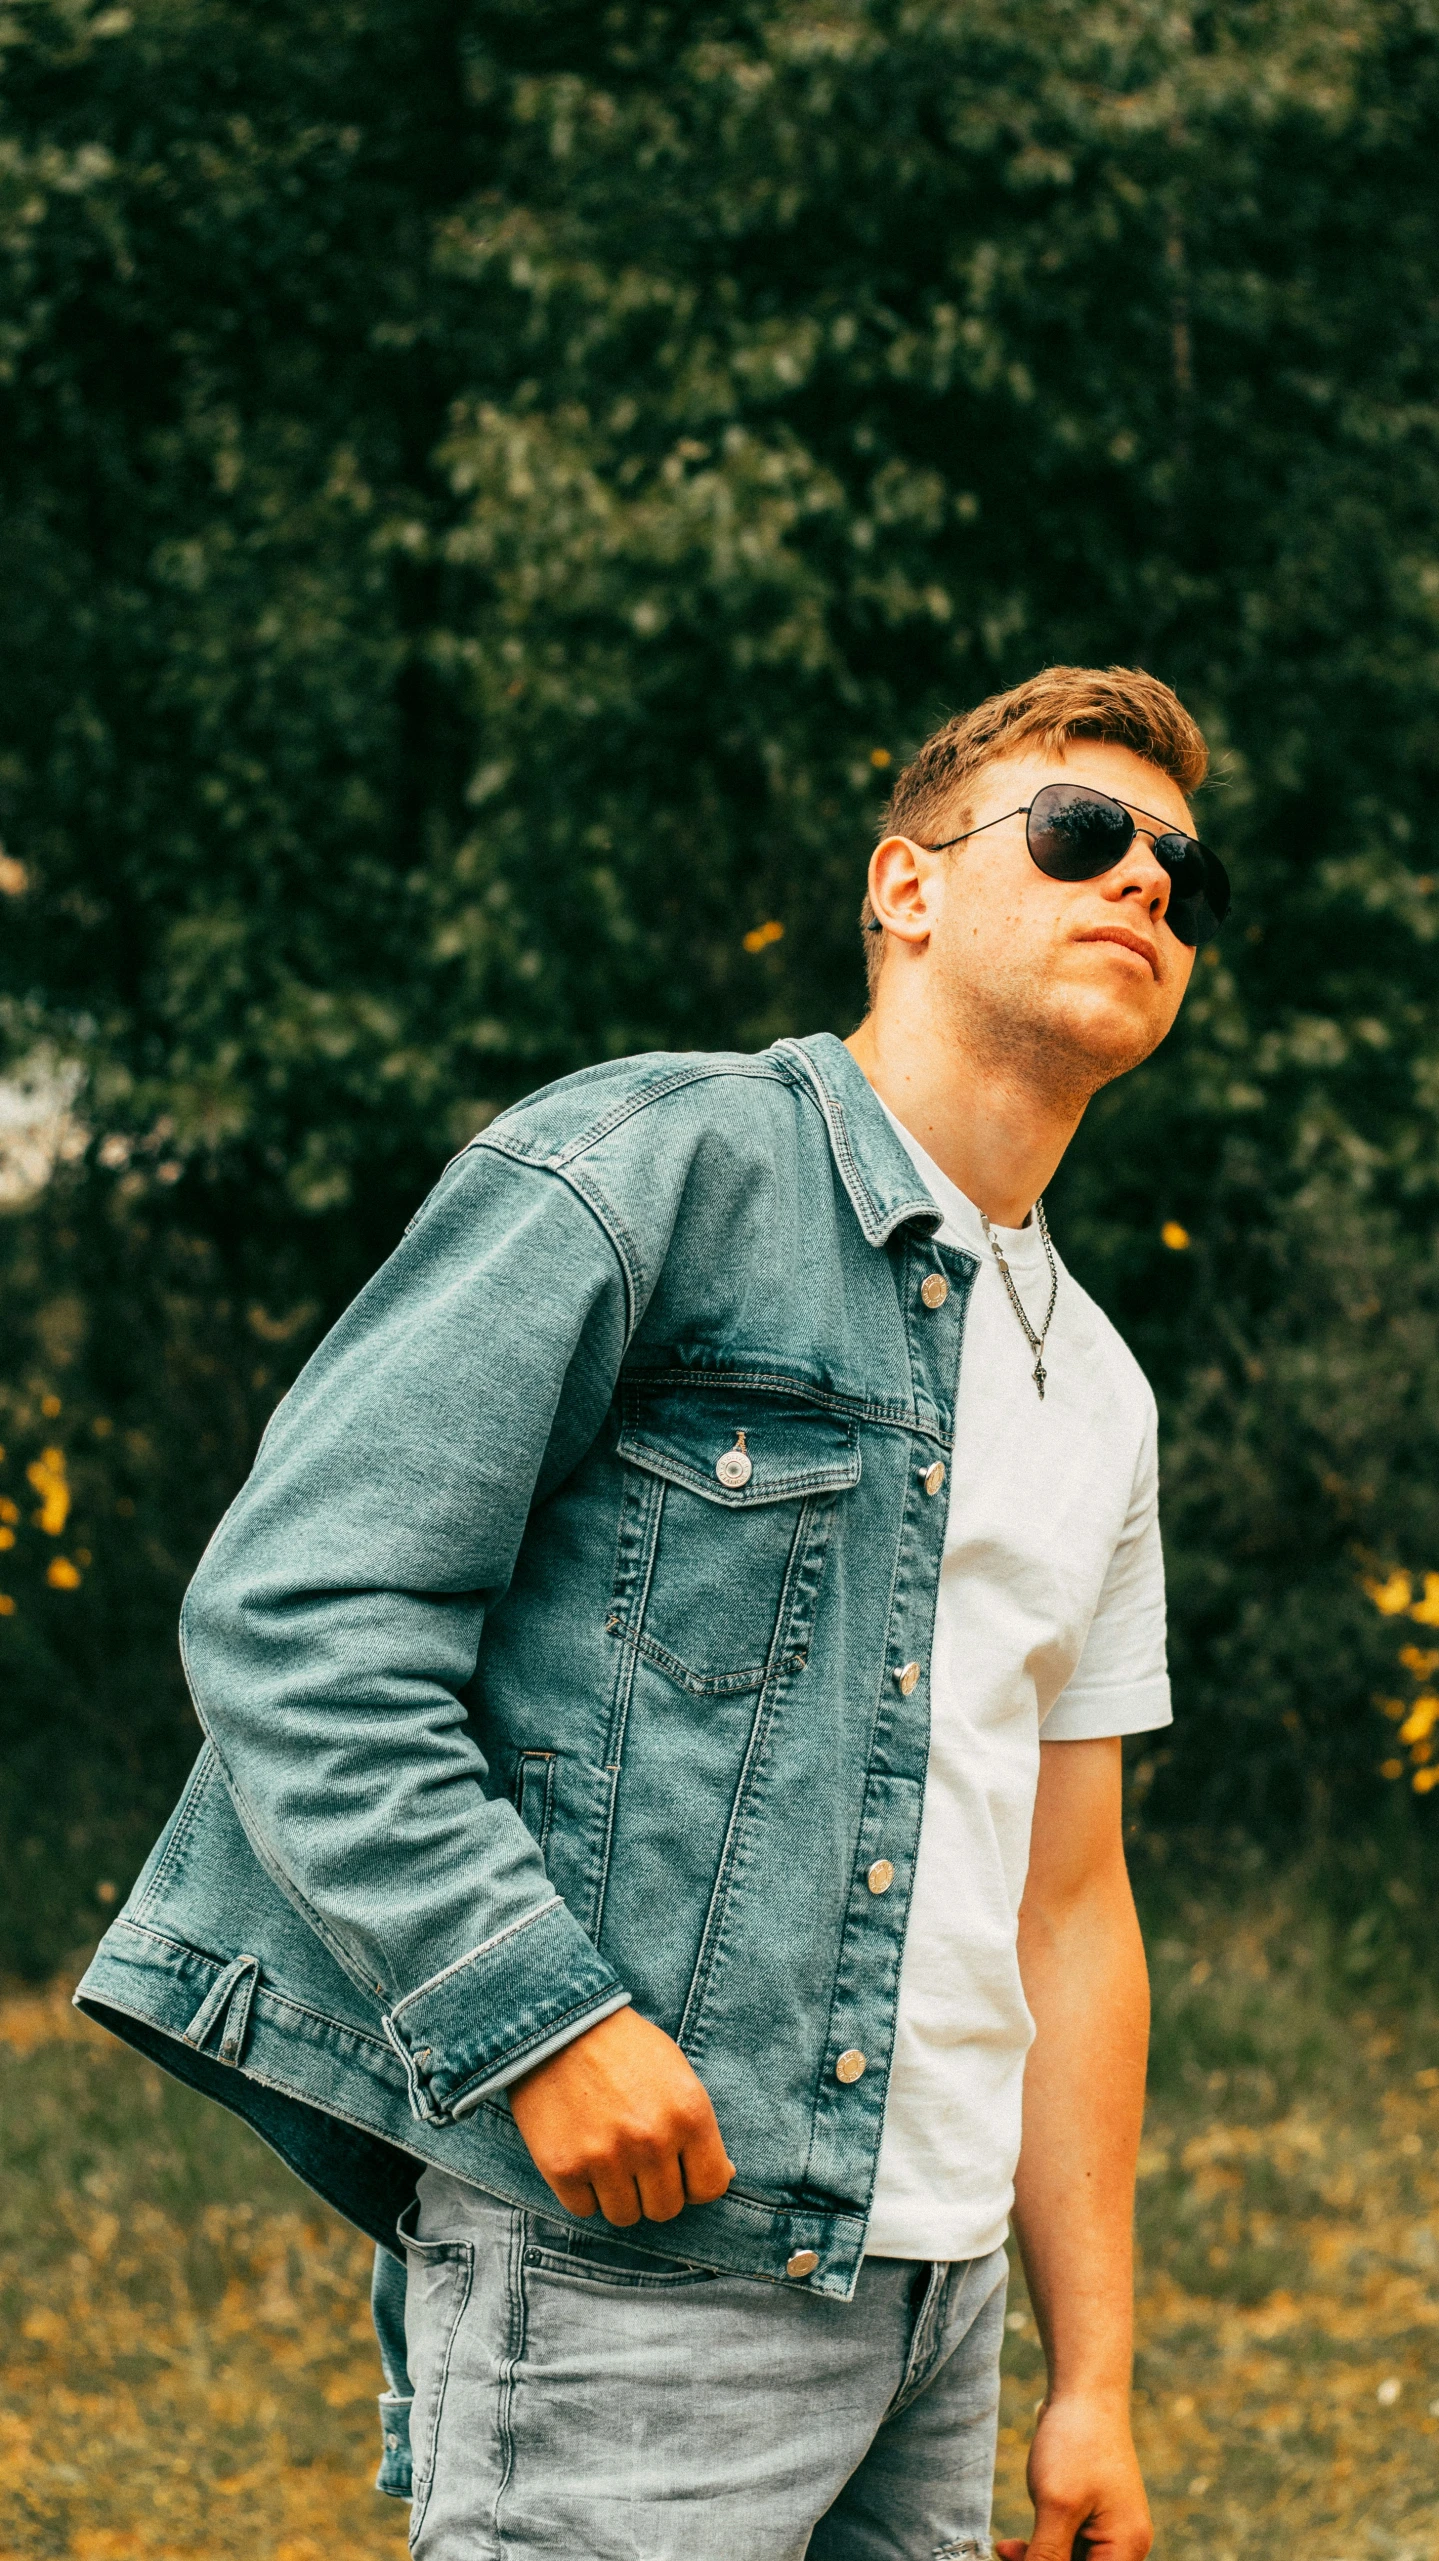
(1021, 1246)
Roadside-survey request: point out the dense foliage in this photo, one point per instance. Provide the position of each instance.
(489, 491)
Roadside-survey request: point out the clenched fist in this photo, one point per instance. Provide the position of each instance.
(618, 2120)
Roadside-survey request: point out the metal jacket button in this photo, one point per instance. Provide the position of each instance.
(736, 1467)
(881, 1876)
(802, 2263)
(907, 1678)
(934, 1477)
(935, 1290)
(851, 2066)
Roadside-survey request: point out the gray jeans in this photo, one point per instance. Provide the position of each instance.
(577, 2399)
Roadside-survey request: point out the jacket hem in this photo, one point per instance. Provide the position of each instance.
(329, 2096)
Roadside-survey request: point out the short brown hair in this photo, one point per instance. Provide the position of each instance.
(1122, 706)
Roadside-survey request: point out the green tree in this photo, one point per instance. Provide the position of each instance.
(489, 495)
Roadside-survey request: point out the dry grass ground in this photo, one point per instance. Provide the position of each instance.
(188, 2373)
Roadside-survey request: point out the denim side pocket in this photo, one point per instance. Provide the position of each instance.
(441, 2275)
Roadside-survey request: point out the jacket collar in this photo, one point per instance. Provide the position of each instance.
(877, 1171)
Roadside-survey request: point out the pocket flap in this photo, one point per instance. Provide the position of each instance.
(701, 1438)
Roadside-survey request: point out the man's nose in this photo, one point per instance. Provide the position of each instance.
(1141, 874)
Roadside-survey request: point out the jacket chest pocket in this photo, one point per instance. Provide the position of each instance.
(723, 1527)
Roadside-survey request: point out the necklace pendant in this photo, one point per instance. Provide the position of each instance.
(1035, 1341)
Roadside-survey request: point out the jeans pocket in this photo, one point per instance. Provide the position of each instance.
(441, 2276)
(597, 2258)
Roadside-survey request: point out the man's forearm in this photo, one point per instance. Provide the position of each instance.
(1083, 1967)
(1084, 1977)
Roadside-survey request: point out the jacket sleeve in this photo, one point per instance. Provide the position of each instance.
(336, 1617)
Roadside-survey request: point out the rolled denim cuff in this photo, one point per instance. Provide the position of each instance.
(477, 2026)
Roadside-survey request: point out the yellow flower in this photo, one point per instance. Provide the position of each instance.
(61, 1575)
(7, 1538)
(1422, 1717)
(47, 1475)
(7, 1606)
(1425, 1779)
(8, 1511)
(1420, 1660)
(1174, 1236)
(1392, 1596)
(1391, 1769)
(879, 757)
(1427, 1610)
(761, 936)
(50, 1407)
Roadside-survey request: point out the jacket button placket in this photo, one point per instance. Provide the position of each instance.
(936, 1311)
(935, 1325)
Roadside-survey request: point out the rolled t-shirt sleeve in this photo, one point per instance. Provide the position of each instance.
(1120, 1685)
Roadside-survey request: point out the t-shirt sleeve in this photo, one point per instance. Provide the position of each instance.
(1120, 1685)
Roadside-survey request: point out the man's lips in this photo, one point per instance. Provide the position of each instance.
(1131, 942)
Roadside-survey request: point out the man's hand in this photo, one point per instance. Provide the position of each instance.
(1084, 2480)
(618, 2120)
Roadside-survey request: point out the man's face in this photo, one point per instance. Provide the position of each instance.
(1084, 978)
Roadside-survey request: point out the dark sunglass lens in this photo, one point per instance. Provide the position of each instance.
(1199, 895)
(1183, 859)
(1216, 886)
(1190, 921)
(1076, 834)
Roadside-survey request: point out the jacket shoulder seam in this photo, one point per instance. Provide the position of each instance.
(566, 1164)
(703, 1070)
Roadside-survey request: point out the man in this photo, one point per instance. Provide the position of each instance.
(691, 1595)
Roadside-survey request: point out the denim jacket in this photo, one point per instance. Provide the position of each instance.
(567, 1646)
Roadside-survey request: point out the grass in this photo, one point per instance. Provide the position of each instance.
(188, 2373)
(186, 2365)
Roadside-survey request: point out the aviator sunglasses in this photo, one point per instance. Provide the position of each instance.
(1075, 833)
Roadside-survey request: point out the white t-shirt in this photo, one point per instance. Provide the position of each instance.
(1050, 1621)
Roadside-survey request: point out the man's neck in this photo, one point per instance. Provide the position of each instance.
(983, 1122)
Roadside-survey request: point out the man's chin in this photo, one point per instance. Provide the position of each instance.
(1097, 1045)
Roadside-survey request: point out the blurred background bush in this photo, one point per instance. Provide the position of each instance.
(491, 492)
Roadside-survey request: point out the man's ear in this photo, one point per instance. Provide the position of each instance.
(898, 881)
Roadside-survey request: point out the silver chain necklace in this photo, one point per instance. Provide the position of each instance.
(1035, 1341)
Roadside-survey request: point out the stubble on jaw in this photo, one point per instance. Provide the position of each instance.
(1014, 1023)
